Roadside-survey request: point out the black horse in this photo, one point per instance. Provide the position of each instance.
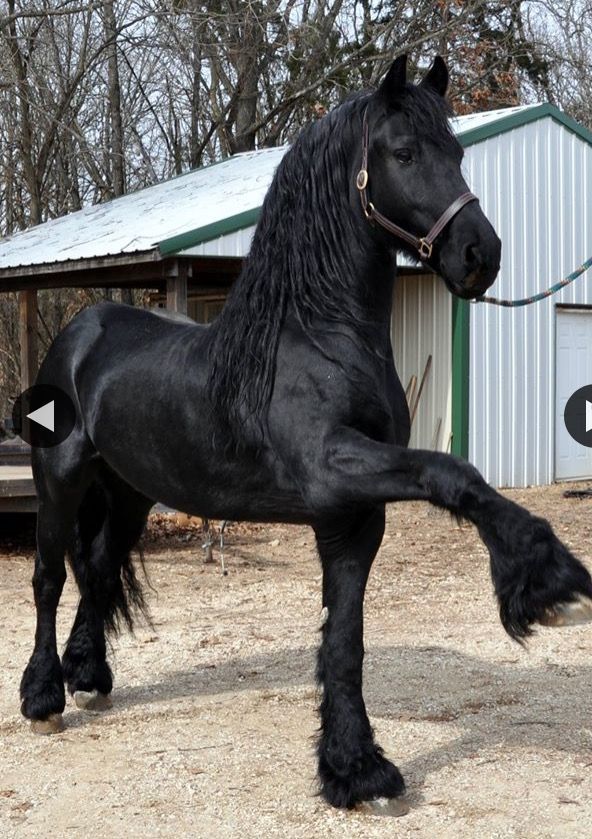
(287, 409)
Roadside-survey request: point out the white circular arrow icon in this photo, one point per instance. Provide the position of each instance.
(44, 416)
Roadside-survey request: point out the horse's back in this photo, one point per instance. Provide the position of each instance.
(107, 316)
(100, 335)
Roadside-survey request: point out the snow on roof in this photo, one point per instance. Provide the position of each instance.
(139, 221)
(183, 211)
(470, 122)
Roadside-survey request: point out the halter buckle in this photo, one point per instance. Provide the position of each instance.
(362, 179)
(369, 210)
(425, 249)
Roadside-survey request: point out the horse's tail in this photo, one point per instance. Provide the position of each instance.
(109, 524)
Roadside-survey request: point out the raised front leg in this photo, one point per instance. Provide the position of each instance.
(351, 765)
(535, 576)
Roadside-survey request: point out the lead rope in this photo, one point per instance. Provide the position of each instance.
(525, 301)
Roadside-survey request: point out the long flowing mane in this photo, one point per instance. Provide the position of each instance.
(302, 256)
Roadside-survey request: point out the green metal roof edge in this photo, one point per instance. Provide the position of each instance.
(500, 126)
(199, 235)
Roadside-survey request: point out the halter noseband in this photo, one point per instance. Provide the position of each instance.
(423, 245)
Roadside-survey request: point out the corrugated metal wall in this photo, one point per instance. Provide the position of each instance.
(535, 184)
(422, 326)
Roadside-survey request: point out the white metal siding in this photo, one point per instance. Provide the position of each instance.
(230, 244)
(422, 326)
(535, 184)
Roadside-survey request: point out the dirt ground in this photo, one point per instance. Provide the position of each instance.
(214, 717)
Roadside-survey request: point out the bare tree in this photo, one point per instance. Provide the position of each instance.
(564, 29)
(116, 143)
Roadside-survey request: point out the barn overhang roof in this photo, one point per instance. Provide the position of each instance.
(127, 231)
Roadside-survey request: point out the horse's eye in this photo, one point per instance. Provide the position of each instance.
(403, 155)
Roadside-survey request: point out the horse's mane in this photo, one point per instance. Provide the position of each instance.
(302, 256)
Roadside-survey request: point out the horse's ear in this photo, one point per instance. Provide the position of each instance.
(437, 76)
(393, 83)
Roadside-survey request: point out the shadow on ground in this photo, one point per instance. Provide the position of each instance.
(489, 704)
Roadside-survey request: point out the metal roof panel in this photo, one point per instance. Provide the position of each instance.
(140, 220)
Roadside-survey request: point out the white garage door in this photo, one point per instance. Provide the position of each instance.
(573, 368)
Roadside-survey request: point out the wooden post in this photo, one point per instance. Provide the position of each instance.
(176, 286)
(28, 336)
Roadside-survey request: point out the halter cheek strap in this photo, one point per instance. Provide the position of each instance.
(424, 244)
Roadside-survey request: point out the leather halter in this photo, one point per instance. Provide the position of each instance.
(423, 244)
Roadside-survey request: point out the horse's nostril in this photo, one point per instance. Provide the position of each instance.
(472, 256)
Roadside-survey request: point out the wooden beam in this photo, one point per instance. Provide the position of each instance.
(139, 271)
(16, 480)
(19, 504)
(62, 269)
(28, 336)
(176, 288)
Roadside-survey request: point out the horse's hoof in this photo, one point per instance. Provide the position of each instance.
(393, 807)
(52, 725)
(570, 614)
(92, 700)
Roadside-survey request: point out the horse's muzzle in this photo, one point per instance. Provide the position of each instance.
(481, 264)
(474, 285)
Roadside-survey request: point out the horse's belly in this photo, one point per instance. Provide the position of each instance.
(185, 472)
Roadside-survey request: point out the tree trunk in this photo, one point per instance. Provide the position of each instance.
(114, 99)
(25, 139)
(248, 48)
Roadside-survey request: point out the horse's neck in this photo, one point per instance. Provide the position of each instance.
(366, 308)
(374, 293)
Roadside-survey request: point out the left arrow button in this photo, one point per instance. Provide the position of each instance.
(44, 416)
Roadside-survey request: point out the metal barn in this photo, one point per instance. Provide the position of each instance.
(516, 367)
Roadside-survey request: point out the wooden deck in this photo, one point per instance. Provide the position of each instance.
(17, 490)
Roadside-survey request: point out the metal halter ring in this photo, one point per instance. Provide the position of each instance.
(425, 249)
(362, 179)
(369, 210)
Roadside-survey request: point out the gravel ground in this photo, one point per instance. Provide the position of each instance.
(212, 729)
